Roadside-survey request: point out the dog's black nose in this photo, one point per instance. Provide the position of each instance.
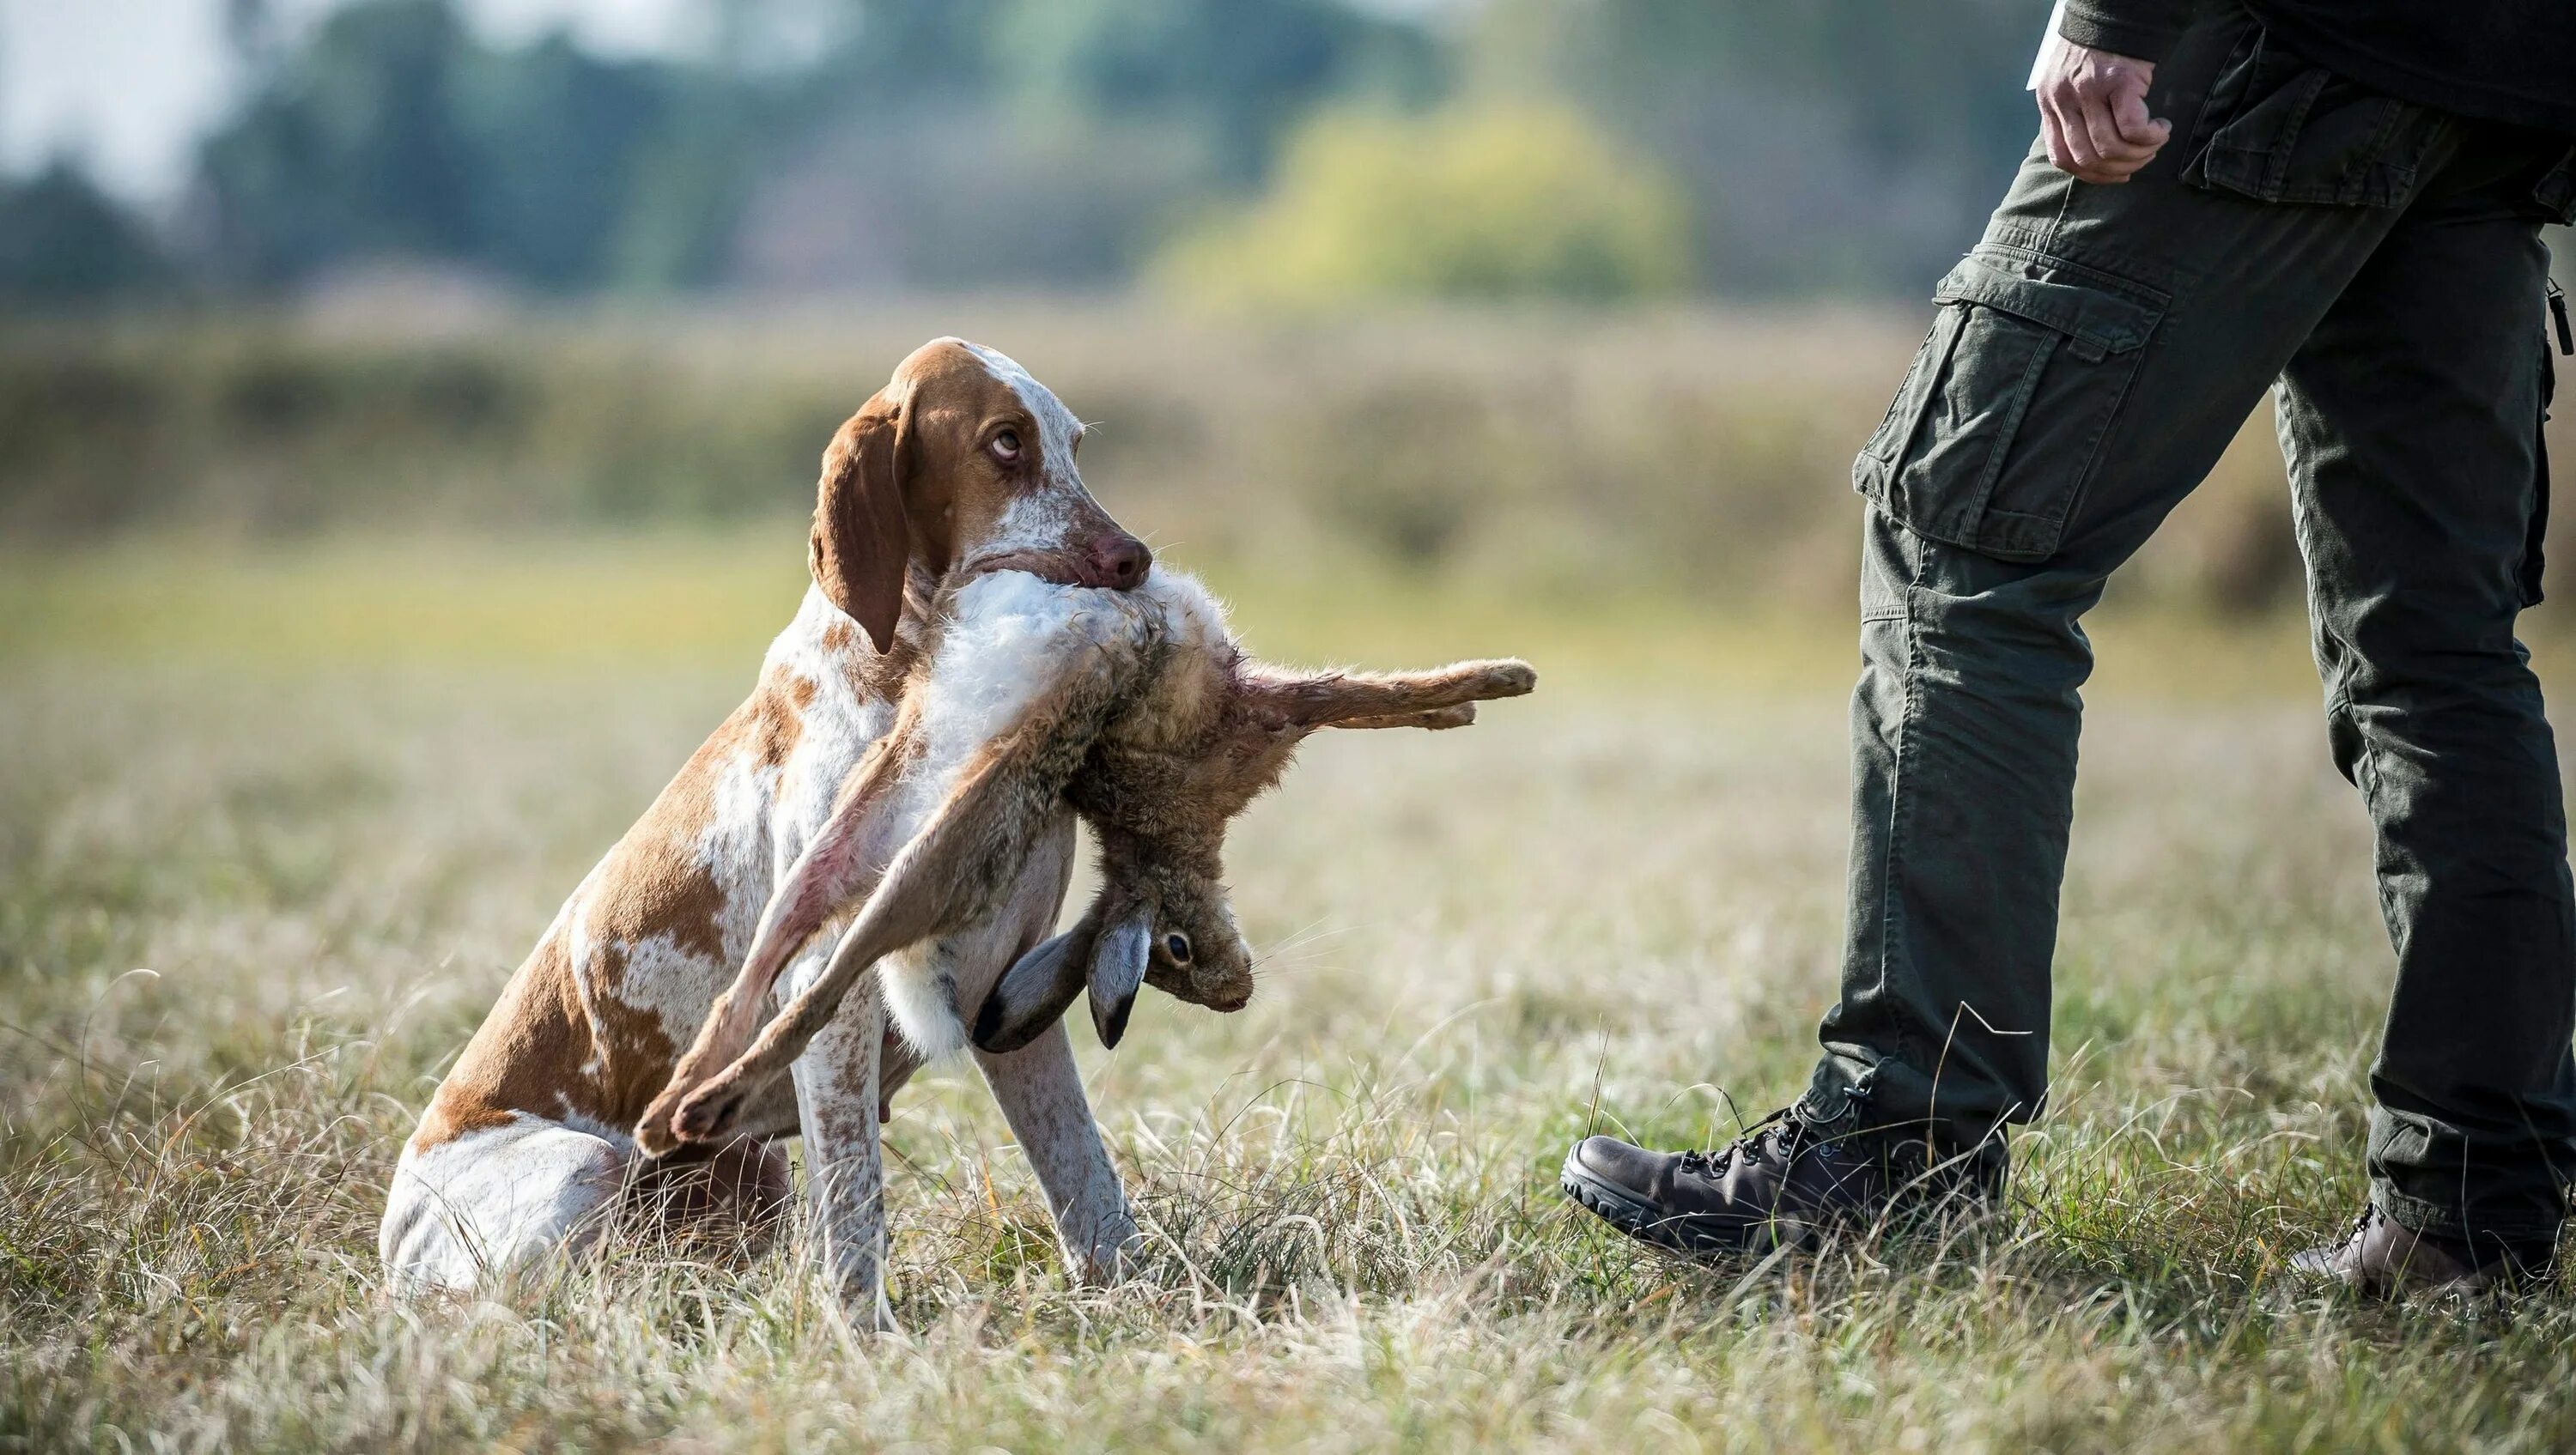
(1121, 560)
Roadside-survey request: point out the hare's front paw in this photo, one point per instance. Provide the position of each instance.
(654, 1132)
(1508, 679)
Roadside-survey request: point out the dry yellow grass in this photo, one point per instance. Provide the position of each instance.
(327, 799)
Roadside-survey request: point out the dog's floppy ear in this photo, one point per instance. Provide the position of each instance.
(862, 539)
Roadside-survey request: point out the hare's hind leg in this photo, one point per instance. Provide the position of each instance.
(1433, 720)
(941, 879)
(842, 861)
(1396, 699)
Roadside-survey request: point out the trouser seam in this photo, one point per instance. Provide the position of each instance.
(1891, 915)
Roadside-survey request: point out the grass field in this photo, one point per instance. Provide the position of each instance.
(274, 827)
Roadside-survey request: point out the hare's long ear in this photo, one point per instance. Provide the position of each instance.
(862, 541)
(1118, 972)
(1033, 994)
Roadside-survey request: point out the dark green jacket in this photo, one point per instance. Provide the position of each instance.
(2495, 60)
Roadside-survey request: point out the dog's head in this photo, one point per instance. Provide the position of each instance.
(961, 463)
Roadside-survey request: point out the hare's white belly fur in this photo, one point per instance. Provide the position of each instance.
(1010, 640)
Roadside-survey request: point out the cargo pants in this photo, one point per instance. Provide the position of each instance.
(2380, 264)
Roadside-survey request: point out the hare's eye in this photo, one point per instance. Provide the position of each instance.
(1177, 945)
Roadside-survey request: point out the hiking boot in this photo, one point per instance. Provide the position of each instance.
(2383, 1258)
(1781, 1184)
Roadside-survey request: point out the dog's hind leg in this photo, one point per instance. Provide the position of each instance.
(737, 1192)
(495, 1200)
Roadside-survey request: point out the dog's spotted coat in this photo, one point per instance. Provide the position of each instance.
(963, 462)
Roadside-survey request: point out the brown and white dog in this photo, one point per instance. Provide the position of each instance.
(962, 464)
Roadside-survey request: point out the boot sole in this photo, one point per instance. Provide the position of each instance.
(1692, 1237)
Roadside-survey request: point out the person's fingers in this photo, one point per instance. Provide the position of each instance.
(2102, 130)
(2082, 150)
(2129, 113)
(2052, 134)
(2081, 158)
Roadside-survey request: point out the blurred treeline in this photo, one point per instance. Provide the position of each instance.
(1510, 147)
(1569, 455)
(1578, 298)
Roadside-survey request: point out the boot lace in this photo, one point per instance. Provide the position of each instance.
(1784, 1129)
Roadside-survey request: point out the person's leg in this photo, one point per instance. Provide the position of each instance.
(2091, 359)
(1965, 720)
(2410, 420)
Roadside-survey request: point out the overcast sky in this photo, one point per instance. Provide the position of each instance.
(129, 85)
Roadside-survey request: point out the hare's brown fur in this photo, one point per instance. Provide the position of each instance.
(1158, 752)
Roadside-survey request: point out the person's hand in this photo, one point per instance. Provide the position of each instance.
(2093, 112)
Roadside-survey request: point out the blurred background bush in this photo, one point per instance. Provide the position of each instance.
(1544, 292)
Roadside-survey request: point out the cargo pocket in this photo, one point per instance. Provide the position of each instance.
(2278, 129)
(2555, 194)
(1992, 437)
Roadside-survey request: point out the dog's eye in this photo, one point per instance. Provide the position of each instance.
(1177, 945)
(1006, 447)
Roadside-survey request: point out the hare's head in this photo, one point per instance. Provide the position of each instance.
(1161, 918)
(1180, 915)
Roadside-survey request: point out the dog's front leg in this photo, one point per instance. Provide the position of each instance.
(836, 1108)
(1040, 1090)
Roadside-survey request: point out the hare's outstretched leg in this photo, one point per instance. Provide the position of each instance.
(1435, 720)
(950, 872)
(1392, 699)
(841, 863)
